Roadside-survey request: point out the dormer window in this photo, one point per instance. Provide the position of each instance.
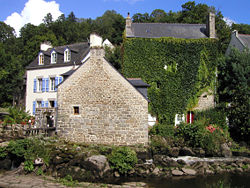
(40, 59)
(67, 55)
(53, 57)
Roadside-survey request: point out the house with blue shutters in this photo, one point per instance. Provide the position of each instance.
(46, 72)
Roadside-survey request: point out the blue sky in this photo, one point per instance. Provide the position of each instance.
(20, 12)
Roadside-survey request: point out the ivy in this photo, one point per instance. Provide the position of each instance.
(178, 70)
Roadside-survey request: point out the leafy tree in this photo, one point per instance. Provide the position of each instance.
(141, 18)
(111, 26)
(48, 19)
(234, 91)
(241, 28)
(158, 15)
(114, 57)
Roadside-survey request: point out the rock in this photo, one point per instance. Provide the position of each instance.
(209, 172)
(5, 164)
(38, 161)
(116, 174)
(185, 151)
(189, 172)
(177, 173)
(58, 160)
(225, 150)
(156, 171)
(181, 162)
(174, 152)
(98, 163)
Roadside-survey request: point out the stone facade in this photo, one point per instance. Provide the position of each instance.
(96, 104)
(205, 101)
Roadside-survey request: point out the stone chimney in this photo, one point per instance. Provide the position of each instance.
(211, 25)
(128, 26)
(45, 46)
(235, 32)
(96, 48)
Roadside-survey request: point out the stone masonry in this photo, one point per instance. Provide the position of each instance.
(111, 110)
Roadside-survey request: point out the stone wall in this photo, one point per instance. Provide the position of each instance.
(205, 101)
(111, 110)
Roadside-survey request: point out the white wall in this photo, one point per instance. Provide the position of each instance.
(44, 96)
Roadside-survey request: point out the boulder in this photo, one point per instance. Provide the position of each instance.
(189, 172)
(177, 173)
(174, 152)
(97, 163)
(185, 151)
(225, 150)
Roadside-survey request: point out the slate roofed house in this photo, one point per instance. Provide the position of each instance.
(96, 104)
(44, 73)
(175, 30)
(239, 41)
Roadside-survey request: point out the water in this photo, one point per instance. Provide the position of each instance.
(215, 181)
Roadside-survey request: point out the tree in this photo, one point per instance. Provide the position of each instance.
(141, 18)
(241, 28)
(48, 19)
(234, 91)
(158, 15)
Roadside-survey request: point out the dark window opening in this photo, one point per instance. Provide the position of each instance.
(52, 104)
(76, 110)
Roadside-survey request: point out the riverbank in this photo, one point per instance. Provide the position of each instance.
(11, 180)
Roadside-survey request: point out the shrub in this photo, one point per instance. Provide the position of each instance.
(3, 152)
(122, 159)
(163, 130)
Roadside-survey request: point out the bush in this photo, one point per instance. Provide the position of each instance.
(163, 130)
(122, 159)
(212, 116)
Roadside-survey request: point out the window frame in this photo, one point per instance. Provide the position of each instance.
(67, 55)
(40, 84)
(53, 57)
(76, 110)
(52, 80)
(40, 58)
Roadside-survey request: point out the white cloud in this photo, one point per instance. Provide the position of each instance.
(228, 21)
(33, 12)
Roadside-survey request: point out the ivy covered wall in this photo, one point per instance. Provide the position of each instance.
(178, 70)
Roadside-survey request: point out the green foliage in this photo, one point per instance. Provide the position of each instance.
(212, 116)
(28, 150)
(241, 28)
(176, 69)
(114, 57)
(163, 130)
(68, 181)
(3, 152)
(234, 92)
(16, 116)
(28, 166)
(122, 159)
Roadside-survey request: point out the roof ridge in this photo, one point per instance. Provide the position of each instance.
(78, 43)
(167, 23)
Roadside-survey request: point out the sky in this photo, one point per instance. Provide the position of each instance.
(17, 13)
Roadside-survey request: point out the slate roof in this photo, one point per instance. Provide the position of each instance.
(137, 82)
(245, 39)
(156, 30)
(78, 52)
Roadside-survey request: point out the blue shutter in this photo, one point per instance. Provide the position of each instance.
(43, 85)
(56, 83)
(46, 104)
(34, 107)
(55, 102)
(42, 104)
(34, 85)
(47, 84)
(60, 80)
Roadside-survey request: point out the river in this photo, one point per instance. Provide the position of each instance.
(214, 181)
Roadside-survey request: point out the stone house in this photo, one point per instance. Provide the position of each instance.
(96, 104)
(182, 31)
(239, 41)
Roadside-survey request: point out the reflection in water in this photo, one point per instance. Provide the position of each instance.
(216, 181)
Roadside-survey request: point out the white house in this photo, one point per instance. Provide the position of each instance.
(45, 73)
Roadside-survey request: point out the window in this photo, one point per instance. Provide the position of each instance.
(76, 110)
(52, 84)
(39, 104)
(40, 84)
(53, 57)
(67, 55)
(41, 59)
(52, 104)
